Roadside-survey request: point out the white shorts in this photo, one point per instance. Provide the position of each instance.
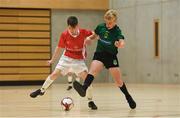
(70, 65)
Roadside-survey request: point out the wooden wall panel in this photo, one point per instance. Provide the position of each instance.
(23, 77)
(23, 63)
(24, 34)
(24, 20)
(33, 49)
(24, 44)
(24, 56)
(29, 27)
(17, 41)
(18, 70)
(24, 12)
(57, 4)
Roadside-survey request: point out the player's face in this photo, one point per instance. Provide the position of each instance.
(110, 23)
(73, 30)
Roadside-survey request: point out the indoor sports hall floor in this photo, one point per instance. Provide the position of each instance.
(153, 101)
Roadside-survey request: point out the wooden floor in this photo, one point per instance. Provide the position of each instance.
(153, 101)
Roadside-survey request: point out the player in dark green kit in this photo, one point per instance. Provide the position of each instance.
(110, 39)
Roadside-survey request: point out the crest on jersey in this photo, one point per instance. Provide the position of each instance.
(115, 62)
(106, 34)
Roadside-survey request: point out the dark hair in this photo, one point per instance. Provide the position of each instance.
(72, 21)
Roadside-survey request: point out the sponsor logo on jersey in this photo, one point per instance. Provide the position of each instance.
(105, 42)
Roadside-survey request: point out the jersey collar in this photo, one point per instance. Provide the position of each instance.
(78, 32)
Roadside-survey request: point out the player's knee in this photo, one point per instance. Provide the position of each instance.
(118, 82)
(53, 75)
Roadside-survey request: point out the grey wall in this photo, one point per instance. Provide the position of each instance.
(88, 20)
(137, 60)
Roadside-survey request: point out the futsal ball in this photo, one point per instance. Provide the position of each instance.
(67, 103)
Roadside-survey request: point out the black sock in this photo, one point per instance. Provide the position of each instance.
(124, 89)
(88, 81)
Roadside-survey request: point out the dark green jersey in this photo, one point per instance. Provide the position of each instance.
(108, 38)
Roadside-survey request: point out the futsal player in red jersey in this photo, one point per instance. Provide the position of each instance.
(72, 60)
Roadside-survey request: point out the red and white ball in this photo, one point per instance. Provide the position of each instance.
(67, 103)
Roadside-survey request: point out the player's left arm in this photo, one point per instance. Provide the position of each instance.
(120, 43)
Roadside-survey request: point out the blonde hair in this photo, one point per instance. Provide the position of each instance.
(110, 14)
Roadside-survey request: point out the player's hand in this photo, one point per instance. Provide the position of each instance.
(87, 41)
(119, 44)
(49, 62)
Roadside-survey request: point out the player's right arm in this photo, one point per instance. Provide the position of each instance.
(58, 49)
(90, 38)
(55, 55)
(95, 35)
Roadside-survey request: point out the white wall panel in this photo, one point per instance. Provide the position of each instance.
(171, 41)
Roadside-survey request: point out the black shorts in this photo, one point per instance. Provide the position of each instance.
(109, 60)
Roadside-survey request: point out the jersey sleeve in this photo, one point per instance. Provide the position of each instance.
(61, 43)
(120, 35)
(97, 30)
(88, 32)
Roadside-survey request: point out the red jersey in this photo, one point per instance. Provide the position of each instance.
(74, 46)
